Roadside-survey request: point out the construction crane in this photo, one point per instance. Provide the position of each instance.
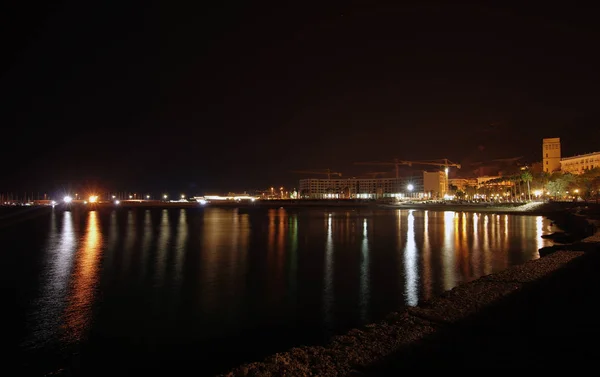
(445, 163)
(376, 173)
(328, 172)
(397, 163)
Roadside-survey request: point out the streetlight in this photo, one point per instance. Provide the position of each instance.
(165, 196)
(182, 196)
(410, 187)
(147, 196)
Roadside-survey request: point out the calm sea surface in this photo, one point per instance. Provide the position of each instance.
(166, 291)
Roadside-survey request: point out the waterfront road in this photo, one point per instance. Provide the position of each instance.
(552, 324)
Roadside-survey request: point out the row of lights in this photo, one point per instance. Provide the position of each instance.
(94, 198)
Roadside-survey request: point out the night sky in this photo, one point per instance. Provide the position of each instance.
(152, 97)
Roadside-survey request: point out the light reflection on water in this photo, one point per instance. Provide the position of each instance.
(225, 271)
(84, 279)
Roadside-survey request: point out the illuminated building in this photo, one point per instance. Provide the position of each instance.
(552, 160)
(435, 184)
(551, 154)
(579, 164)
(361, 188)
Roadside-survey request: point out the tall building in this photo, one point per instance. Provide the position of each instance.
(579, 164)
(435, 183)
(551, 154)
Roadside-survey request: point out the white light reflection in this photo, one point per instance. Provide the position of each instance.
(487, 263)
(476, 254)
(539, 231)
(410, 263)
(364, 275)
(448, 265)
(427, 286)
(162, 247)
(52, 300)
(328, 277)
(182, 234)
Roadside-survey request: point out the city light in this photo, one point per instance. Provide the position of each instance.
(165, 196)
(117, 202)
(182, 196)
(130, 197)
(93, 199)
(202, 201)
(67, 199)
(410, 187)
(113, 196)
(147, 196)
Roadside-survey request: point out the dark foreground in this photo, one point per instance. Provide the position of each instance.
(550, 324)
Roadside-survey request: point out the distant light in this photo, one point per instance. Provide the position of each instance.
(85, 202)
(253, 199)
(130, 196)
(93, 199)
(117, 202)
(182, 196)
(113, 196)
(53, 203)
(410, 187)
(165, 196)
(147, 196)
(67, 199)
(202, 201)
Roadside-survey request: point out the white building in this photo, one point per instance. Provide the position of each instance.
(361, 188)
(579, 164)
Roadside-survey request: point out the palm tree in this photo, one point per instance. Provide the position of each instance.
(527, 177)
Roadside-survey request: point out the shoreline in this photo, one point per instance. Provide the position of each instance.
(361, 348)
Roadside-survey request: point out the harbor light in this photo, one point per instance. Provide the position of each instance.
(410, 187)
(147, 196)
(165, 196)
(117, 202)
(113, 197)
(67, 199)
(93, 199)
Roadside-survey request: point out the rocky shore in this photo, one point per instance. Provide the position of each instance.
(416, 333)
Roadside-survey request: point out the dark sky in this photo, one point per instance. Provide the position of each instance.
(156, 96)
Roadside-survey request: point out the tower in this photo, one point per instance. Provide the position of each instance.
(551, 154)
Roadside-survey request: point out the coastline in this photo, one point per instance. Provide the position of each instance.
(403, 331)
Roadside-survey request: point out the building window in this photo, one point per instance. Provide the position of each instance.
(546, 162)
(546, 155)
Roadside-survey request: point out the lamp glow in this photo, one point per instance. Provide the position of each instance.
(67, 199)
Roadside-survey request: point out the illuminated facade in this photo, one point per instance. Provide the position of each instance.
(581, 163)
(361, 188)
(551, 154)
(435, 183)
